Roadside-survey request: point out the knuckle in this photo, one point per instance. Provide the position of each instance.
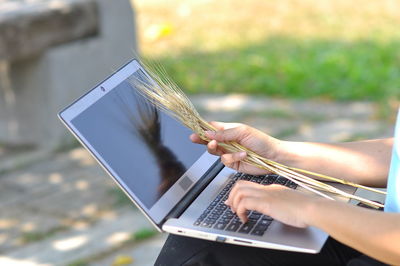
(236, 156)
(226, 158)
(241, 127)
(240, 183)
(219, 135)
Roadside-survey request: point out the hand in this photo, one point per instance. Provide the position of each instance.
(249, 137)
(281, 203)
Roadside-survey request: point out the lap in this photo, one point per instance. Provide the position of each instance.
(179, 250)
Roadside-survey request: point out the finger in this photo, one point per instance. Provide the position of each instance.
(223, 126)
(230, 158)
(237, 197)
(233, 191)
(196, 139)
(230, 134)
(246, 204)
(213, 148)
(236, 190)
(243, 192)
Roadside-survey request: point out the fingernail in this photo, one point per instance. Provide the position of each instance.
(210, 134)
(226, 202)
(242, 154)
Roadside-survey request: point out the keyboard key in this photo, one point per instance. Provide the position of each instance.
(228, 211)
(210, 221)
(221, 208)
(266, 217)
(213, 216)
(261, 227)
(217, 212)
(224, 220)
(220, 226)
(264, 222)
(246, 177)
(233, 227)
(246, 228)
(205, 224)
(291, 184)
(202, 216)
(281, 181)
(254, 216)
(227, 216)
(270, 179)
(258, 232)
(209, 208)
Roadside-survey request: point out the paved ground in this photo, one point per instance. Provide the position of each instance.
(61, 209)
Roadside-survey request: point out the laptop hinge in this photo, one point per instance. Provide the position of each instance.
(192, 194)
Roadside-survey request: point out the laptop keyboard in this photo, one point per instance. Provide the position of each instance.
(219, 216)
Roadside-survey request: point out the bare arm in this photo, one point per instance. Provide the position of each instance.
(362, 162)
(374, 233)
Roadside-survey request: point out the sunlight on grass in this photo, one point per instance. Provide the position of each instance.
(340, 50)
(292, 68)
(210, 24)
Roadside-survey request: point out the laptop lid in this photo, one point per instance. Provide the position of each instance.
(145, 151)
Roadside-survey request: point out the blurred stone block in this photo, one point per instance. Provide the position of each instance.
(72, 53)
(27, 29)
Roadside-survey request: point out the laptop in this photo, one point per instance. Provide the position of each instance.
(177, 184)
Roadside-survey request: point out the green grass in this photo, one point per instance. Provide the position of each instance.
(143, 234)
(335, 50)
(81, 262)
(293, 68)
(120, 198)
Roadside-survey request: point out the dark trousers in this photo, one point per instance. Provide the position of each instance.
(179, 250)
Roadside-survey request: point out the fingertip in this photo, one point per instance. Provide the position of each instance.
(212, 144)
(193, 137)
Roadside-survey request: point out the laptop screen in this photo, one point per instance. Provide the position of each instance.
(148, 150)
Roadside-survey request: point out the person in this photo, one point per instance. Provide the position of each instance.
(358, 236)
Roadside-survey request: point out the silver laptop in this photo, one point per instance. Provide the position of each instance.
(175, 183)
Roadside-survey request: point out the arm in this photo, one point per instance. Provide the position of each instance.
(374, 233)
(362, 162)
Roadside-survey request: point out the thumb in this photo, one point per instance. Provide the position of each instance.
(232, 134)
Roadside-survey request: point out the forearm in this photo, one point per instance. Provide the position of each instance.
(373, 233)
(363, 162)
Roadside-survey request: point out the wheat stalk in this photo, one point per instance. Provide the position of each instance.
(166, 95)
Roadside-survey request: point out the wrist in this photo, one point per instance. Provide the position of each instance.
(286, 153)
(312, 209)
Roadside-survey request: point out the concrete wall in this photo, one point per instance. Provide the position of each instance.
(41, 85)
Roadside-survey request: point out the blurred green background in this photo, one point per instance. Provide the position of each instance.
(333, 50)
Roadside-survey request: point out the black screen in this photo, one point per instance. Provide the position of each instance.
(146, 148)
